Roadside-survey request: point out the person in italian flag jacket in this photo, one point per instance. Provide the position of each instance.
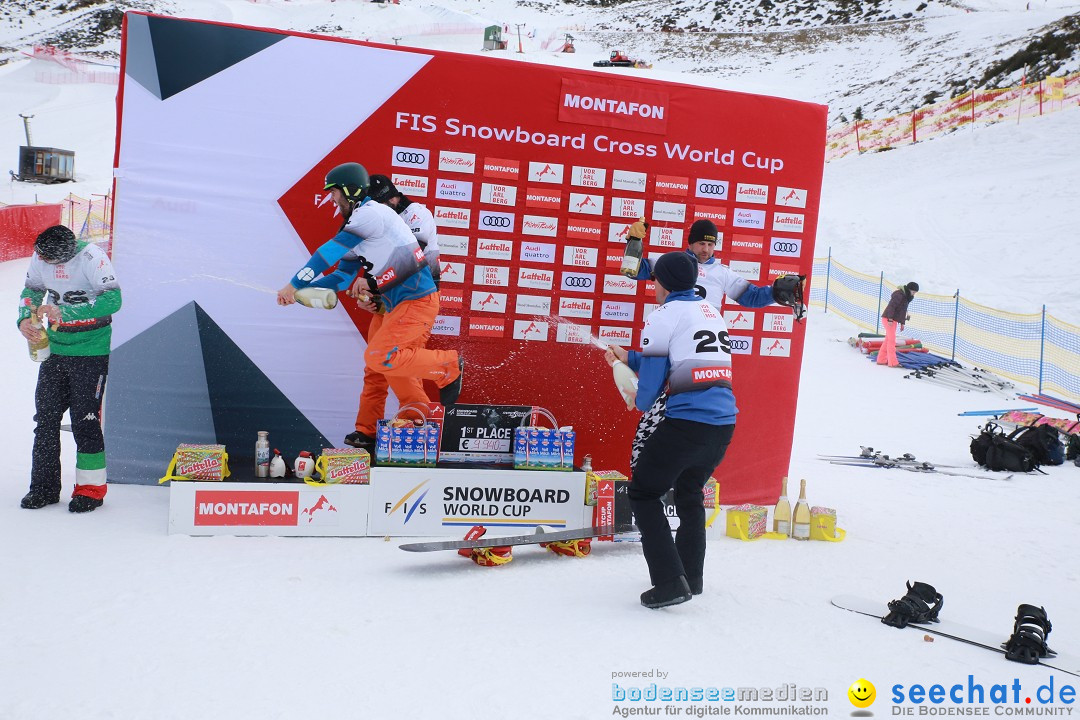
(71, 284)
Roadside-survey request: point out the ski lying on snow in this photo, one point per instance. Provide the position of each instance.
(954, 631)
(531, 539)
(919, 468)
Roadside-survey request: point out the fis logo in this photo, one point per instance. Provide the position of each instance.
(407, 505)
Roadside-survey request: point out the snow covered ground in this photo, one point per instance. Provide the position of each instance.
(106, 616)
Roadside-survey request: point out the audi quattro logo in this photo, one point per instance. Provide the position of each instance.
(411, 157)
(786, 247)
(497, 222)
(578, 282)
(740, 345)
(717, 189)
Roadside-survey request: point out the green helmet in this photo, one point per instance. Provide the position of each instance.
(352, 178)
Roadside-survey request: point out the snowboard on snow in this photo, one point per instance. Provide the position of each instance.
(955, 631)
(540, 536)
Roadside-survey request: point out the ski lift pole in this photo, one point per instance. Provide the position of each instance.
(1042, 347)
(828, 274)
(955, 322)
(880, 288)
(519, 26)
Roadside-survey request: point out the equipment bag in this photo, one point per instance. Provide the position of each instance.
(1043, 442)
(982, 442)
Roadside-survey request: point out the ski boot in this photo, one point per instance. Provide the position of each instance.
(1028, 642)
(487, 556)
(570, 548)
(915, 606)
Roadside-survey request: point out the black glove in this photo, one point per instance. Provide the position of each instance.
(788, 290)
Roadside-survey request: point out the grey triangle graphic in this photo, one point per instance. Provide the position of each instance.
(169, 55)
(183, 380)
(139, 63)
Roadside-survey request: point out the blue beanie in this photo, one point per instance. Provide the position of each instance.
(676, 271)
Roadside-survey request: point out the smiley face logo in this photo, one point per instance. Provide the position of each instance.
(862, 693)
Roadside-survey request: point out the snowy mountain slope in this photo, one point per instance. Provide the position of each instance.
(885, 56)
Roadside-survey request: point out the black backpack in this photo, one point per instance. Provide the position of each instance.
(994, 451)
(1044, 443)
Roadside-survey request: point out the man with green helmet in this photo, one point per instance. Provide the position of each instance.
(374, 240)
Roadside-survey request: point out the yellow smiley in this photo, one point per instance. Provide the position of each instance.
(862, 693)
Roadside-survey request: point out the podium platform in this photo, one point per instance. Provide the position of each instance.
(399, 502)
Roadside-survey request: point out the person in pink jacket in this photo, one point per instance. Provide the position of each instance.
(895, 314)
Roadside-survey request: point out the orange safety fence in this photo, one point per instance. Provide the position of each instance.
(975, 108)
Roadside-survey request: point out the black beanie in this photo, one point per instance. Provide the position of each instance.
(56, 244)
(912, 286)
(676, 271)
(702, 230)
(381, 188)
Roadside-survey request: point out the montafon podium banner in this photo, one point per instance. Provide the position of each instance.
(533, 173)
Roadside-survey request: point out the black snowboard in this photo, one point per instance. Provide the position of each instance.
(531, 539)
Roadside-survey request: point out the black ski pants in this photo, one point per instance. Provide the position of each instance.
(680, 454)
(66, 382)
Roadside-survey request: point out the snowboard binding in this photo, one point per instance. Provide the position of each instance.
(921, 604)
(488, 556)
(570, 548)
(1028, 642)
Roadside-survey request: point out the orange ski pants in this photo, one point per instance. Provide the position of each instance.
(397, 359)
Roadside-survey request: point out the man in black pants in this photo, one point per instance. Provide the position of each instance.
(685, 348)
(74, 286)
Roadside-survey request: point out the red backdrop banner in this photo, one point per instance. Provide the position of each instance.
(534, 174)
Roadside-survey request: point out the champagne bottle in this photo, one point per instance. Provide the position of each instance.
(635, 249)
(800, 520)
(631, 261)
(781, 522)
(39, 349)
(317, 297)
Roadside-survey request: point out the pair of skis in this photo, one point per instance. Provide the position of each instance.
(868, 457)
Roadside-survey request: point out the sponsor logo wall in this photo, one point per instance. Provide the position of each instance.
(534, 209)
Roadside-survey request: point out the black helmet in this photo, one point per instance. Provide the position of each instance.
(352, 178)
(382, 189)
(56, 244)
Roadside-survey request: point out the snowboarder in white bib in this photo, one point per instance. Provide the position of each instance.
(685, 349)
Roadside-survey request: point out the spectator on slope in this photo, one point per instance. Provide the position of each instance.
(896, 314)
